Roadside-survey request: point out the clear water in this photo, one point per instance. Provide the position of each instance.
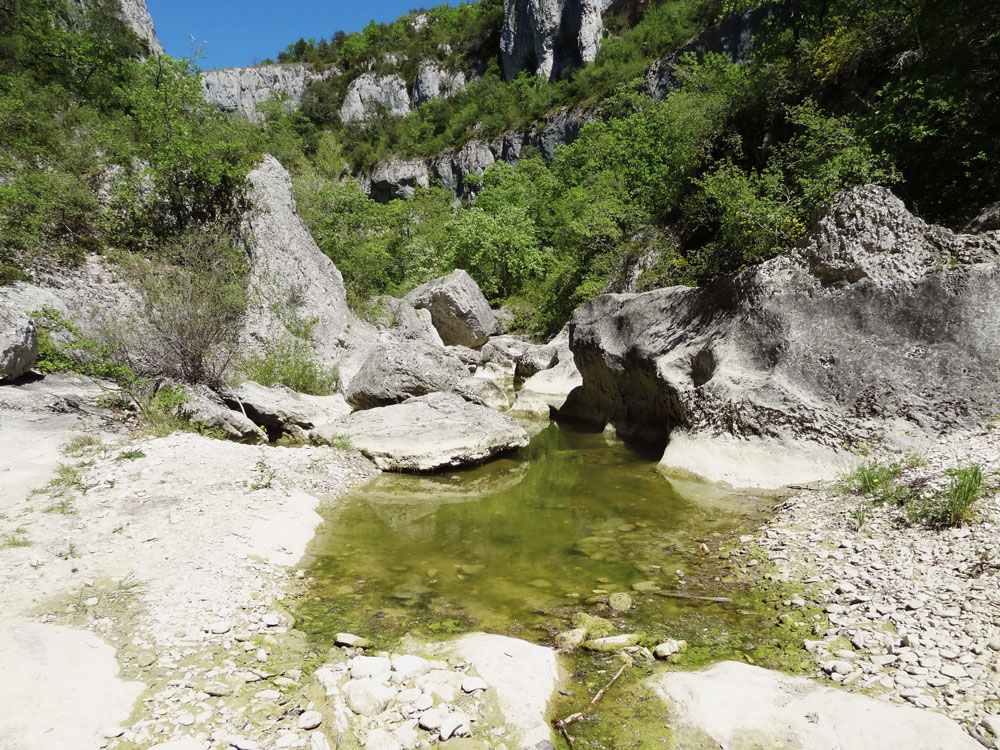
(519, 544)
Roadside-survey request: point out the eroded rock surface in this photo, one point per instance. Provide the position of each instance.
(18, 343)
(740, 706)
(877, 327)
(280, 410)
(459, 311)
(368, 91)
(290, 278)
(428, 433)
(243, 90)
(396, 370)
(550, 37)
(434, 82)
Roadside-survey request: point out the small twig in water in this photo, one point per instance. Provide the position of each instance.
(579, 715)
(680, 595)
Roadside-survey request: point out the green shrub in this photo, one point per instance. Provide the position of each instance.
(956, 504)
(291, 363)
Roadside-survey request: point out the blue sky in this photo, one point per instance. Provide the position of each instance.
(241, 32)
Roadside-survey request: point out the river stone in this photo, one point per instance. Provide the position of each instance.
(472, 684)
(351, 641)
(397, 370)
(310, 720)
(428, 433)
(612, 643)
(570, 640)
(188, 743)
(620, 602)
(460, 312)
(738, 706)
(534, 359)
(595, 627)
(381, 739)
(668, 648)
(368, 697)
(369, 666)
(408, 667)
(745, 369)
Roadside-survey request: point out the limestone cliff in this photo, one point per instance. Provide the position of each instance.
(242, 90)
(135, 13)
(549, 37)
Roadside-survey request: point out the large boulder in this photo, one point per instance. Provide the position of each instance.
(741, 707)
(280, 410)
(368, 92)
(428, 433)
(18, 344)
(401, 318)
(876, 327)
(292, 283)
(458, 309)
(243, 90)
(550, 37)
(396, 370)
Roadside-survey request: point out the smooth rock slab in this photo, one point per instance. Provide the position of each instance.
(59, 688)
(740, 707)
(428, 433)
(524, 676)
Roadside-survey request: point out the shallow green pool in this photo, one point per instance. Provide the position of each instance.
(518, 544)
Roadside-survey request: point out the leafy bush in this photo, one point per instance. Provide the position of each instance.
(192, 305)
(291, 363)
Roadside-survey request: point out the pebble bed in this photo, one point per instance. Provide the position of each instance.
(912, 613)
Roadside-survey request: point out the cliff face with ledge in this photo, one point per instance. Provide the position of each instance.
(550, 37)
(242, 90)
(136, 15)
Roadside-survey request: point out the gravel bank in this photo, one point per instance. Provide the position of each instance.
(913, 613)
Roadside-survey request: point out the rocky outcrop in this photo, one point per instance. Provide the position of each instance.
(428, 433)
(204, 407)
(740, 706)
(368, 92)
(876, 327)
(281, 411)
(988, 220)
(396, 370)
(732, 37)
(136, 15)
(18, 343)
(400, 178)
(400, 317)
(550, 37)
(290, 278)
(459, 311)
(243, 90)
(434, 82)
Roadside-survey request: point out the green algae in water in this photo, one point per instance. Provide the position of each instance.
(518, 544)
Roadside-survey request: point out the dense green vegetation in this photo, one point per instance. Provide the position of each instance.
(102, 150)
(99, 148)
